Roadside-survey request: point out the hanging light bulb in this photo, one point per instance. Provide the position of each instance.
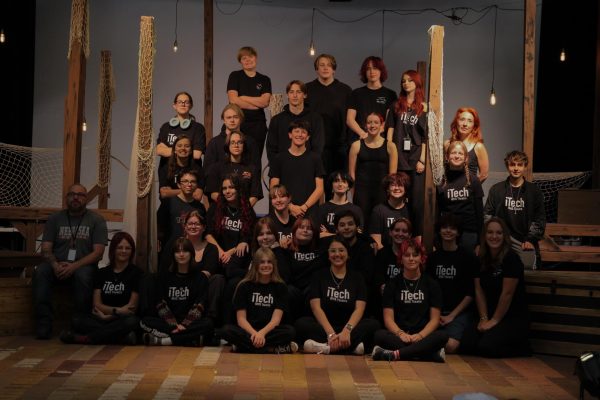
(311, 49)
(563, 55)
(175, 48)
(2, 36)
(493, 97)
(84, 125)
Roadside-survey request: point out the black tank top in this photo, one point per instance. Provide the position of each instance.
(371, 164)
(473, 162)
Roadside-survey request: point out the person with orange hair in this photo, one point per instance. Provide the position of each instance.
(466, 127)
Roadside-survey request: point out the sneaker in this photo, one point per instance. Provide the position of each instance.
(381, 354)
(439, 356)
(310, 346)
(130, 339)
(359, 350)
(233, 348)
(150, 340)
(290, 348)
(67, 337)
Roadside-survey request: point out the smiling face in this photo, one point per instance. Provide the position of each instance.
(456, 156)
(347, 228)
(395, 191)
(265, 267)
(400, 232)
(374, 125)
(229, 191)
(494, 236)
(449, 233)
(516, 169)
(280, 202)
(265, 237)
(466, 122)
(411, 259)
(338, 255)
(298, 136)
(188, 183)
(248, 62)
(183, 147)
(193, 227)
(304, 233)
(182, 105)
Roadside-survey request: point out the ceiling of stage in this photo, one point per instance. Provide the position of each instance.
(369, 4)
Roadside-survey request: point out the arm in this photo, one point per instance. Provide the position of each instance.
(332, 340)
(92, 258)
(357, 314)
(509, 285)
(233, 97)
(432, 325)
(261, 101)
(481, 303)
(421, 162)
(390, 325)
(537, 226)
(353, 125)
(163, 150)
(446, 319)
(483, 161)
(315, 196)
(197, 154)
(167, 191)
(377, 239)
(352, 156)
(393, 156)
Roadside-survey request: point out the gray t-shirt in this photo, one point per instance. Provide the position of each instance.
(85, 231)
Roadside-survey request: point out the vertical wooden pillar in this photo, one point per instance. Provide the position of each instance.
(436, 63)
(596, 133)
(528, 84)
(208, 68)
(74, 104)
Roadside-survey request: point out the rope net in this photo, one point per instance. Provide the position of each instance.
(106, 98)
(551, 182)
(276, 104)
(80, 27)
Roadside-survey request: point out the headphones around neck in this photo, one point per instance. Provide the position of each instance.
(174, 122)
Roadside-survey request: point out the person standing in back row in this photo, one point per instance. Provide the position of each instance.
(251, 91)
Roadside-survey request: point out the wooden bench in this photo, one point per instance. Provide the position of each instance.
(551, 251)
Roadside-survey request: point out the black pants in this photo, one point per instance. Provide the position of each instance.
(509, 338)
(258, 131)
(309, 328)
(280, 335)
(299, 306)
(416, 200)
(421, 350)
(105, 332)
(189, 337)
(214, 307)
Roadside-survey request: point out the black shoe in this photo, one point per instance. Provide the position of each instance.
(43, 332)
(67, 337)
(130, 339)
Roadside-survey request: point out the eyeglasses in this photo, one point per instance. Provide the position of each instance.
(187, 182)
(76, 194)
(183, 103)
(193, 224)
(236, 143)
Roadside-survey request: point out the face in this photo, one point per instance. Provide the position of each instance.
(229, 191)
(231, 119)
(373, 73)
(340, 185)
(408, 85)
(123, 251)
(182, 105)
(494, 236)
(236, 145)
(265, 238)
(374, 125)
(338, 255)
(295, 95)
(400, 232)
(265, 266)
(183, 148)
(347, 228)
(411, 259)
(280, 202)
(448, 233)
(456, 157)
(193, 227)
(516, 169)
(188, 184)
(325, 69)
(466, 122)
(298, 136)
(182, 256)
(304, 234)
(76, 198)
(396, 191)
(248, 62)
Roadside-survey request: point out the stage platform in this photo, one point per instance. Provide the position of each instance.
(32, 369)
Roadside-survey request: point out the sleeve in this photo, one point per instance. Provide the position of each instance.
(319, 168)
(423, 129)
(314, 290)
(248, 237)
(211, 259)
(512, 266)
(165, 313)
(283, 265)
(233, 81)
(197, 308)
(353, 101)
(281, 297)
(490, 203)
(272, 145)
(267, 85)
(537, 226)
(241, 296)
(435, 293)
(99, 232)
(478, 203)
(275, 169)
(163, 133)
(162, 220)
(97, 278)
(390, 120)
(163, 179)
(210, 220)
(199, 137)
(254, 153)
(471, 264)
(379, 265)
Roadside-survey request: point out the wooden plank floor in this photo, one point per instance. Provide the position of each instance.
(33, 369)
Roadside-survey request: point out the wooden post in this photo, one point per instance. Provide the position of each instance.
(436, 34)
(596, 133)
(74, 104)
(528, 85)
(208, 68)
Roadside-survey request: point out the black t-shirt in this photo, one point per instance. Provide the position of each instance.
(116, 288)
(249, 178)
(231, 234)
(168, 135)
(210, 260)
(328, 210)
(382, 217)
(338, 302)
(254, 86)
(302, 265)
(260, 300)
(491, 282)
(298, 173)
(281, 228)
(411, 301)
(171, 216)
(387, 266)
(454, 271)
(461, 200)
(412, 126)
(215, 150)
(182, 291)
(365, 101)
(165, 181)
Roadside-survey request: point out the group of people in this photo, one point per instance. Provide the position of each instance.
(337, 265)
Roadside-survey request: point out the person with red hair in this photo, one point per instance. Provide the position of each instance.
(407, 128)
(373, 97)
(466, 127)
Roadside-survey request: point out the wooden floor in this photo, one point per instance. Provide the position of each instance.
(33, 369)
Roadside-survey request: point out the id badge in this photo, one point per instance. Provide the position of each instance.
(71, 255)
(406, 144)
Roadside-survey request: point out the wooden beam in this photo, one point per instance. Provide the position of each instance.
(208, 68)
(528, 85)
(143, 233)
(436, 34)
(42, 214)
(101, 193)
(596, 138)
(74, 105)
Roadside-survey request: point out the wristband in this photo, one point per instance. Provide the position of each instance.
(349, 327)
(330, 335)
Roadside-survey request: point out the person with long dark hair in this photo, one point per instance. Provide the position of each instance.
(260, 302)
(466, 127)
(411, 312)
(182, 292)
(503, 326)
(116, 293)
(373, 97)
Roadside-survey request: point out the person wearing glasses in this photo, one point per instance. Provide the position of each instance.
(182, 123)
(72, 244)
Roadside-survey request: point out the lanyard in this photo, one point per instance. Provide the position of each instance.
(74, 234)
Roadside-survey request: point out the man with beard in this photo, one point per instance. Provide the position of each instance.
(72, 244)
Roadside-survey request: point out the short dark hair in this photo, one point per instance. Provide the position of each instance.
(296, 82)
(516, 156)
(299, 124)
(342, 174)
(343, 214)
(327, 56)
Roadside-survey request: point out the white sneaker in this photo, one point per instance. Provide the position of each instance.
(310, 346)
(376, 349)
(359, 350)
(439, 356)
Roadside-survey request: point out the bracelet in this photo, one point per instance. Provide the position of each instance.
(483, 318)
(399, 332)
(330, 335)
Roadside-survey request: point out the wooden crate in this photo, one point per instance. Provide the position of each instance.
(577, 206)
(565, 311)
(551, 251)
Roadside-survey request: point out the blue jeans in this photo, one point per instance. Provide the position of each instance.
(43, 282)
